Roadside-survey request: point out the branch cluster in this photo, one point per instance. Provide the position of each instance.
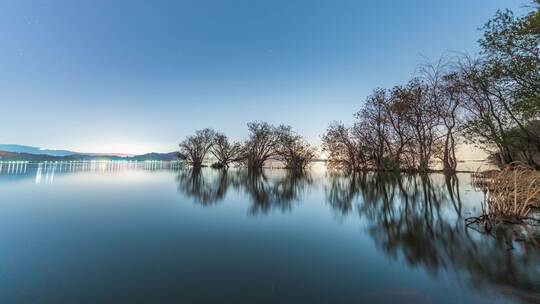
(265, 142)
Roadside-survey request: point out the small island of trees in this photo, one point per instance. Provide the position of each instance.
(265, 142)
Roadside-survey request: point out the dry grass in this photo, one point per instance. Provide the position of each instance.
(510, 194)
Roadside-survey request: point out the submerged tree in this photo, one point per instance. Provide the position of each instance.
(261, 144)
(423, 120)
(224, 151)
(485, 120)
(445, 100)
(395, 129)
(372, 130)
(195, 147)
(500, 90)
(292, 149)
(342, 148)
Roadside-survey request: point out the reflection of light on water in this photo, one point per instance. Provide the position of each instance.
(13, 167)
(38, 174)
(51, 176)
(45, 171)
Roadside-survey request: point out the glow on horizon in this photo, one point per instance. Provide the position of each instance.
(115, 149)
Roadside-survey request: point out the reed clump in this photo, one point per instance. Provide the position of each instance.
(511, 196)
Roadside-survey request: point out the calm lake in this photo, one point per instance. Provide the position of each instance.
(151, 232)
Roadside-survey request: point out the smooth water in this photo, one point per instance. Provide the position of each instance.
(140, 233)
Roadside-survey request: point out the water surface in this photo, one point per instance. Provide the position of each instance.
(154, 232)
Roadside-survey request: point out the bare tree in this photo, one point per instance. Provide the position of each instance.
(195, 147)
(400, 133)
(261, 144)
(445, 98)
(396, 129)
(342, 147)
(423, 120)
(292, 149)
(485, 121)
(224, 151)
(373, 130)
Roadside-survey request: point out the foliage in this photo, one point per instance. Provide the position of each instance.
(511, 65)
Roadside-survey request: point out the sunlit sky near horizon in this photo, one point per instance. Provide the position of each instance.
(138, 76)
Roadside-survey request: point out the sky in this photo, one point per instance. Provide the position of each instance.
(138, 76)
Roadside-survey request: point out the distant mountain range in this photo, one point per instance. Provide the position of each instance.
(28, 153)
(35, 150)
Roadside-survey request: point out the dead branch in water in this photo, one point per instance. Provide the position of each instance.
(511, 192)
(510, 197)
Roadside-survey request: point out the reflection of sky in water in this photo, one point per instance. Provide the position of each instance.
(124, 232)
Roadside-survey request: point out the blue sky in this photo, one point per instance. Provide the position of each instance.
(137, 76)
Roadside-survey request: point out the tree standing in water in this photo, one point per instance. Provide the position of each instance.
(292, 149)
(224, 151)
(196, 147)
(261, 144)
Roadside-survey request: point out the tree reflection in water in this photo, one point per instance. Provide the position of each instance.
(418, 219)
(206, 189)
(278, 189)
